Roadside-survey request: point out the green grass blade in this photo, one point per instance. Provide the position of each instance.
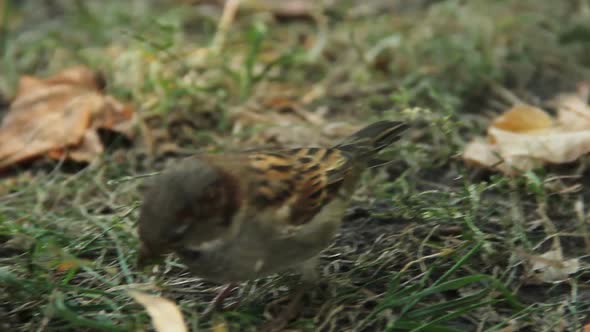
(452, 315)
(64, 312)
(443, 307)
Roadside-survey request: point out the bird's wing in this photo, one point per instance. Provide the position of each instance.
(297, 183)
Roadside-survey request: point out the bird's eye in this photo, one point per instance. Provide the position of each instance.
(178, 233)
(210, 194)
(185, 213)
(190, 254)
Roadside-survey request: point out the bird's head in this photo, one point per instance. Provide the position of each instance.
(187, 205)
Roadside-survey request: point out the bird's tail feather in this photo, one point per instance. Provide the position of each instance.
(370, 140)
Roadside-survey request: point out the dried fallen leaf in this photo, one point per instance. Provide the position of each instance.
(66, 266)
(281, 123)
(71, 263)
(20, 242)
(220, 326)
(59, 117)
(551, 146)
(285, 8)
(480, 152)
(339, 129)
(165, 314)
(551, 266)
(525, 137)
(288, 136)
(523, 119)
(573, 111)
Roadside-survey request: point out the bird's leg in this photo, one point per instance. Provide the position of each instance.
(309, 279)
(309, 271)
(217, 302)
(287, 314)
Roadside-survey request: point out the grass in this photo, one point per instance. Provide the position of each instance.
(428, 245)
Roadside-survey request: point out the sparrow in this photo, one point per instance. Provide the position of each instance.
(242, 216)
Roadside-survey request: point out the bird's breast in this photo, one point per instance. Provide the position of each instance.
(258, 250)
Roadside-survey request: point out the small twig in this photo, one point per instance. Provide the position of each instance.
(322, 36)
(44, 323)
(582, 222)
(549, 226)
(121, 255)
(130, 178)
(584, 8)
(517, 215)
(147, 137)
(333, 313)
(227, 17)
(517, 230)
(505, 94)
(444, 252)
(420, 255)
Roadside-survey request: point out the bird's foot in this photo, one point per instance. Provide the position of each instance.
(217, 302)
(289, 313)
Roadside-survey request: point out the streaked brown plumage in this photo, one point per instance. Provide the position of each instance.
(242, 216)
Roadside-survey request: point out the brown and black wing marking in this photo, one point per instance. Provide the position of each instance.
(370, 140)
(299, 181)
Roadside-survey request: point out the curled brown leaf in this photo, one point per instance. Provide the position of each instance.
(525, 136)
(58, 117)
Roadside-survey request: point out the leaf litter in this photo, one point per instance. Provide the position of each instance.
(283, 121)
(526, 137)
(59, 117)
(165, 314)
(278, 132)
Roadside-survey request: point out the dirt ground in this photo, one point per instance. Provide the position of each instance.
(429, 243)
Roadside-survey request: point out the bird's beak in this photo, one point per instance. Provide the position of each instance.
(147, 257)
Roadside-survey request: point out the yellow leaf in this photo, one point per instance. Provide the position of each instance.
(59, 117)
(522, 119)
(551, 266)
(573, 111)
(525, 137)
(165, 314)
(67, 265)
(220, 326)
